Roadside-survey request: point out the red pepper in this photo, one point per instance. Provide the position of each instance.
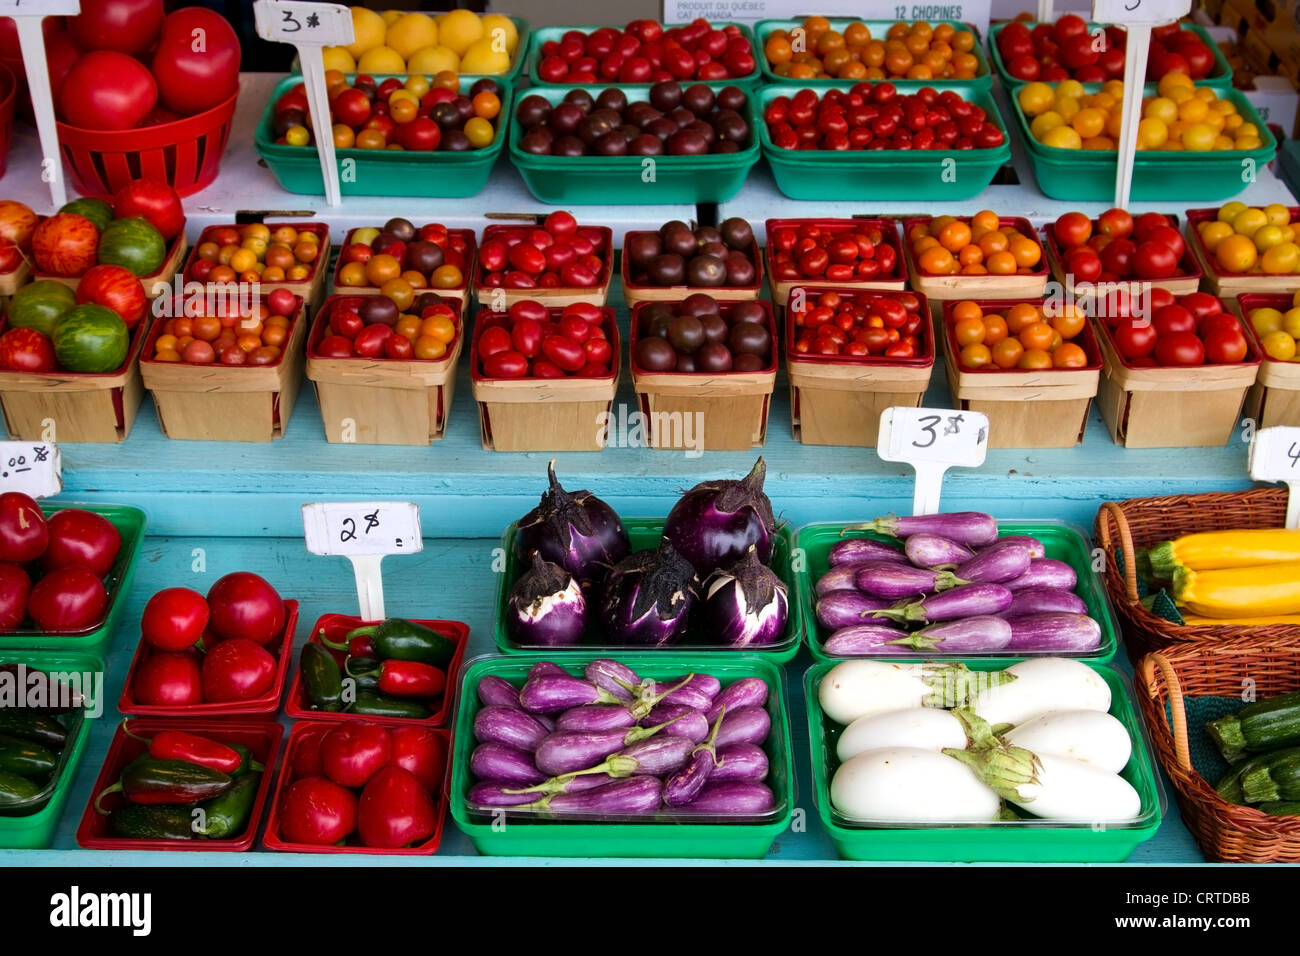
(178, 745)
(411, 679)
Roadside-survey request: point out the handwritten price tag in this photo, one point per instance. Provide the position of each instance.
(363, 532)
(1275, 456)
(932, 440)
(40, 8)
(34, 468)
(301, 23)
(1139, 11)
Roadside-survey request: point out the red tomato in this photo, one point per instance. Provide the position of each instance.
(26, 350)
(1068, 26)
(1173, 319)
(1072, 229)
(107, 90)
(1180, 348)
(1144, 224)
(527, 258)
(174, 619)
(128, 26)
(1225, 346)
(598, 351)
(1219, 321)
(15, 586)
(24, 533)
(507, 364)
(68, 600)
(1201, 304)
(564, 352)
(318, 812)
(193, 78)
(245, 605)
(370, 342)
(353, 752)
(65, 244)
(1084, 264)
(1135, 338)
(575, 328)
(237, 669)
(82, 538)
(170, 679)
(1154, 260)
(117, 288)
(306, 754)
(1115, 223)
(153, 200)
(526, 337)
(422, 752)
(1166, 236)
(1159, 298)
(1117, 257)
(394, 810)
(335, 346)
(561, 223)
(398, 347)
(493, 340)
(422, 134)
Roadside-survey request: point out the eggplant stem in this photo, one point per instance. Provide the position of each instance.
(649, 705)
(709, 744)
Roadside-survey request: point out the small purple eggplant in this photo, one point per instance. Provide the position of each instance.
(679, 721)
(546, 669)
(1036, 548)
(596, 717)
(971, 528)
(638, 795)
(649, 597)
(569, 751)
(496, 691)
(845, 608)
(936, 551)
(745, 604)
(746, 692)
(740, 762)
(685, 785)
(856, 550)
(498, 763)
(862, 640)
(995, 565)
(1059, 632)
(1045, 573)
(552, 693)
(900, 581)
(978, 635)
(968, 600)
(733, 797)
(509, 726)
(695, 690)
(1044, 601)
(744, 725)
(843, 577)
(546, 607)
(610, 675)
(512, 795)
(656, 757)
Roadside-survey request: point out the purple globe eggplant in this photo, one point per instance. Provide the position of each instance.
(745, 605)
(510, 726)
(716, 522)
(974, 529)
(575, 530)
(685, 785)
(733, 797)
(546, 607)
(649, 597)
(740, 762)
(847, 608)
(854, 550)
(934, 551)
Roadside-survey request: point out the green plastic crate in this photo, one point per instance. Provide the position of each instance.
(664, 836)
(1083, 175)
(764, 28)
(1220, 77)
(130, 522)
(544, 35)
(621, 180)
(998, 842)
(33, 827)
(382, 172)
(646, 533)
(1062, 542)
(885, 174)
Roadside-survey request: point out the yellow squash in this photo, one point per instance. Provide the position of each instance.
(1213, 550)
(1229, 593)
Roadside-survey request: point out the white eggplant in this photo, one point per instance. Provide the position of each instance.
(854, 689)
(925, 728)
(911, 785)
(1041, 685)
(1089, 736)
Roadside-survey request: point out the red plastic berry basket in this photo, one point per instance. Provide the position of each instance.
(334, 627)
(8, 97)
(185, 153)
(262, 740)
(264, 706)
(302, 733)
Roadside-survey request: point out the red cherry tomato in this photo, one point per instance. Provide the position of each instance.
(1180, 348)
(1135, 338)
(564, 352)
(507, 364)
(1225, 346)
(493, 340)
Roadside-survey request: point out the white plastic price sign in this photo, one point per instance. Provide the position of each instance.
(932, 440)
(28, 15)
(309, 27)
(34, 468)
(1275, 456)
(1137, 17)
(364, 532)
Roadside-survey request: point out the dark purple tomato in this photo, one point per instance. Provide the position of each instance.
(749, 338)
(641, 248)
(698, 304)
(747, 312)
(686, 333)
(661, 128)
(646, 144)
(655, 355)
(698, 98)
(736, 233)
(740, 270)
(656, 318)
(732, 98)
(715, 328)
(748, 363)
(538, 142)
(568, 146)
(611, 144)
(667, 269)
(714, 357)
(378, 309)
(580, 98)
(612, 98)
(686, 363)
(707, 271)
(666, 96)
(565, 118)
(686, 143)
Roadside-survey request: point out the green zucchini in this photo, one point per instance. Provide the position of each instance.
(1276, 778)
(1263, 725)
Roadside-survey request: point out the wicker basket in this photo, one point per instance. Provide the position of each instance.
(1169, 680)
(1140, 523)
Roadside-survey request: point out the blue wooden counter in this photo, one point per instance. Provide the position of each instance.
(451, 578)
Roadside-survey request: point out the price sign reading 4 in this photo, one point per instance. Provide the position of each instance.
(932, 440)
(1275, 456)
(34, 468)
(363, 532)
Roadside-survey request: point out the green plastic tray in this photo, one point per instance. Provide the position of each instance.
(646, 533)
(130, 522)
(588, 180)
(1006, 842)
(885, 174)
(763, 28)
(1062, 542)
(33, 828)
(381, 172)
(1220, 77)
(661, 837)
(546, 34)
(1083, 175)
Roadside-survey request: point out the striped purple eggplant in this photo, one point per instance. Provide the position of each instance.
(935, 551)
(610, 675)
(546, 607)
(685, 721)
(971, 528)
(864, 639)
(968, 600)
(980, 634)
(552, 693)
(740, 762)
(995, 565)
(596, 717)
(694, 690)
(1043, 601)
(843, 577)
(900, 581)
(745, 604)
(513, 795)
(637, 795)
(1045, 573)
(746, 692)
(846, 608)
(744, 725)
(856, 550)
(656, 757)
(546, 669)
(1058, 631)
(509, 726)
(1036, 548)
(496, 691)
(732, 797)
(685, 785)
(568, 751)
(498, 763)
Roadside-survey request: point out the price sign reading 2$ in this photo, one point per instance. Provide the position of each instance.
(364, 532)
(932, 440)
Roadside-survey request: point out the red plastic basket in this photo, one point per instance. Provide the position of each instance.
(265, 706)
(335, 626)
(8, 98)
(185, 153)
(261, 739)
(303, 731)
